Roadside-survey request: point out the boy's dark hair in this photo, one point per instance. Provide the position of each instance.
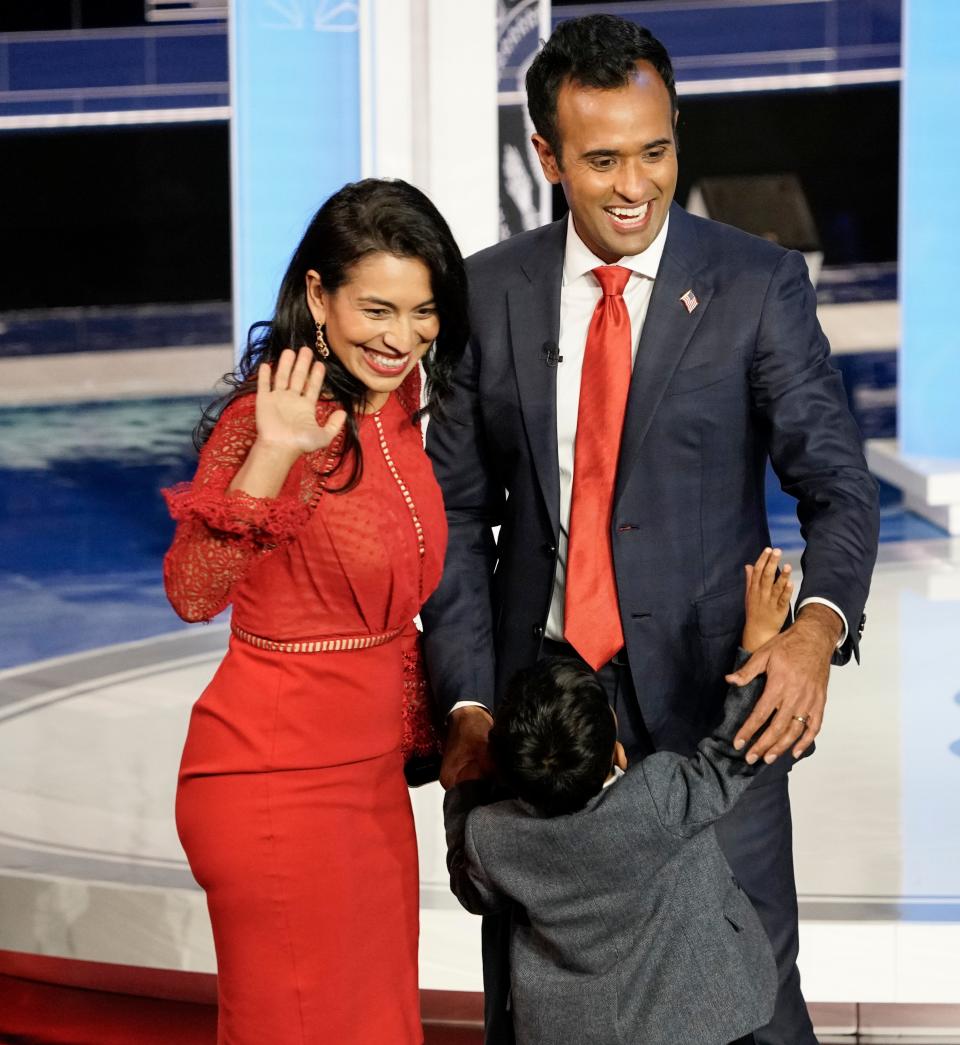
(552, 738)
(594, 51)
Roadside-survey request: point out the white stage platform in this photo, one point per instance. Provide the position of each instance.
(90, 865)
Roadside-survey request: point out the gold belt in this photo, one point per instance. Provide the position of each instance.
(348, 642)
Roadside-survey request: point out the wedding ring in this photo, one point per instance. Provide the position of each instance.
(802, 719)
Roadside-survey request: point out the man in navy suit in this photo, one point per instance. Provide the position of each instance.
(726, 366)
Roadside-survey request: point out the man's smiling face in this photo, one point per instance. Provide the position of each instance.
(618, 161)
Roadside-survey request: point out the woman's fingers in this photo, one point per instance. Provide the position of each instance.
(301, 370)
(334, 424)
(285, 363)
(263, 378)
(315, 382)
(296, 372)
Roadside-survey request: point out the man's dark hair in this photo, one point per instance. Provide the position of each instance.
(594, 51)
(552, 738)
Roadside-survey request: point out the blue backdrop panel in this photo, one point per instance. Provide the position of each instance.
(295, 134)
(708, 40)
(97, 70)
(929, 221)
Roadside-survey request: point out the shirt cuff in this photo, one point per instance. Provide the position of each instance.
(468, 704)
(836, 609)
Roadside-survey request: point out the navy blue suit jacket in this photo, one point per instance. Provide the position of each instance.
(714, 392)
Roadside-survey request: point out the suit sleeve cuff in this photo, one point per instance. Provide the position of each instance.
(468, 704)
(836, 609)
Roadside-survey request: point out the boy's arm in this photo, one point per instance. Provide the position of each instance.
(468, 881)
(691, 793)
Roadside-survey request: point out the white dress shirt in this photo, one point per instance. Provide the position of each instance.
(579, 293)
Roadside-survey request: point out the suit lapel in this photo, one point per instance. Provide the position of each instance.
(667, 331)
(534, 311)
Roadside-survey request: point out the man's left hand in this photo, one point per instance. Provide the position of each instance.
(797, 665)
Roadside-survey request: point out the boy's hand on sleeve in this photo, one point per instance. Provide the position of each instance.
(767, 599)
(796, 663)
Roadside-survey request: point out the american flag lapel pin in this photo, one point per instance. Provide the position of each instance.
(689, 300)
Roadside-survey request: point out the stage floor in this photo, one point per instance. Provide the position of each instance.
(90, 865)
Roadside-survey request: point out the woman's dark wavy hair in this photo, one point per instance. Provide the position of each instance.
(365, 217)
(594, 51)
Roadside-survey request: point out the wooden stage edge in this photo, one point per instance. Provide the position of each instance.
(40, 992)
(447, 1008)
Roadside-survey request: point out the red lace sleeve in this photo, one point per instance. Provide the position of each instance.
(221, 533)
(419, 737)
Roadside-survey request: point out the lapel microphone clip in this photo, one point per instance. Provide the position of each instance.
(550, 353)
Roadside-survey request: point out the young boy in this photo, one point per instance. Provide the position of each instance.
(627, 925)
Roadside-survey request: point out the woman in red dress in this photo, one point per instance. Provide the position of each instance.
(314, 511)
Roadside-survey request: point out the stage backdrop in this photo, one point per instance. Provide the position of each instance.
(295, 134)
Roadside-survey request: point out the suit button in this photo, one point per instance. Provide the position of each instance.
(538, 631)
(549, 549)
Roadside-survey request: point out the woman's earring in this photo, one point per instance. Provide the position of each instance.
(322, 350)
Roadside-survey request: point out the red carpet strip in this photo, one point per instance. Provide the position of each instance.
(55, 1001)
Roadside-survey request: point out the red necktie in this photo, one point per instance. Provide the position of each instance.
(591, 612)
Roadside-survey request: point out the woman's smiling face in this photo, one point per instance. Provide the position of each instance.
(381, 322)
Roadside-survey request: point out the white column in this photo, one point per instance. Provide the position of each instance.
(430, 103)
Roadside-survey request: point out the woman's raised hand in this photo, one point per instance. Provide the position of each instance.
(286, 411)
(287, 404)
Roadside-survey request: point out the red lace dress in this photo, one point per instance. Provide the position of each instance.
(292, 805)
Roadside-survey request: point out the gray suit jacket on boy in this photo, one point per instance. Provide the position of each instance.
(628, 926)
